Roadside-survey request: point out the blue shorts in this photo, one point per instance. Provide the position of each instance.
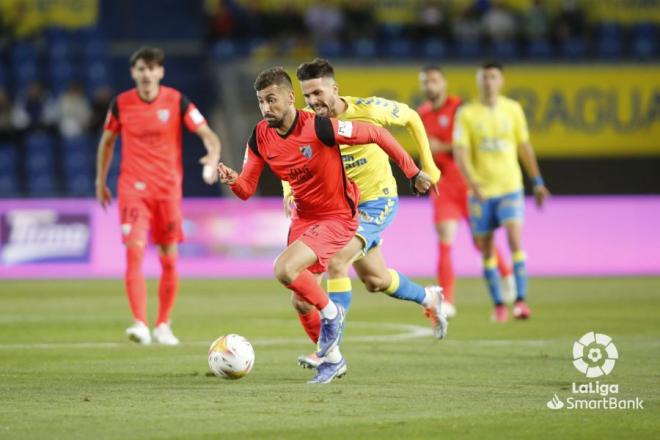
(374, 216)
(490, 214)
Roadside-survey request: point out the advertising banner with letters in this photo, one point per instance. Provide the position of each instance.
(228, 238)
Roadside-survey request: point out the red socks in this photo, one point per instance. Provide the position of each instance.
(167, 288)
(446, 276)
(136, 286)
(311, 322)
(308, 289)
(503, 267)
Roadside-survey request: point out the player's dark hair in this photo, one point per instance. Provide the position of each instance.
(432, 68)
(274, 75)
(493, 65)
(150, 55)
(317, 68)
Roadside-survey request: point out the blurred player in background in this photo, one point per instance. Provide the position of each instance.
(489, 137)
(450, 202)
(370, 169)
(149, 119)
(303, 149)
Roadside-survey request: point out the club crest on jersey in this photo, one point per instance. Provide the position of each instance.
(443, 121)
(163, 115)
(306, 150)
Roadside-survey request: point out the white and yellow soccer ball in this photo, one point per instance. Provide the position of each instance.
(231, 356)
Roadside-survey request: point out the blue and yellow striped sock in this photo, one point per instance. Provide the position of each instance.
(340, 291)
(403, 288)
(520, 273)
(492, 277)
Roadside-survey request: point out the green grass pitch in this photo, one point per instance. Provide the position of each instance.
(67, 371)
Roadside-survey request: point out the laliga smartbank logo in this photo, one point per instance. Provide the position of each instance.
(594, 355)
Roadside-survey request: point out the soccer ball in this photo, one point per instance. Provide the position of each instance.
(231, 356)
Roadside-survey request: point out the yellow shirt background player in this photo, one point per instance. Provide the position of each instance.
(371, 170)
(489, 136)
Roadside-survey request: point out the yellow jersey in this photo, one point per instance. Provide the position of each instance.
(492, 136)
(368, 165)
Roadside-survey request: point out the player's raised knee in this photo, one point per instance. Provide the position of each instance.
(285, 271)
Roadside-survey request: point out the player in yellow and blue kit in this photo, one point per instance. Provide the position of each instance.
(490, 135)
(378, 203)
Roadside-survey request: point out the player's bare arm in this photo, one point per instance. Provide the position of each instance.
(462, 158)
(103, 160)
(528, 159)
(437, 146)
(210, 160)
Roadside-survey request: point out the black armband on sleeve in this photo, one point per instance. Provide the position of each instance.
(252, 142)
(114, 108)
(184, 104)
(324, 130)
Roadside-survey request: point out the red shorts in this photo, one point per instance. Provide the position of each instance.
(160, 216)
(324, 237)
(450, 204)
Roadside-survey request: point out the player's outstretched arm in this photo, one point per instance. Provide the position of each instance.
(245, 184)
(213, 147)
(528, 159)
(103, 160)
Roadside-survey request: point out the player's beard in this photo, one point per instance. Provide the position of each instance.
(432, 96)
(275, 123)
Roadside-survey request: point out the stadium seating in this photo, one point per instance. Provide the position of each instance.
(644, 40)
(77, 166)
(9, 164)
(609, 41)
(40, 166)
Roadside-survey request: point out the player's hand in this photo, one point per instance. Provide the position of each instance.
(540, 194)
(477, 192)
(226, 174)
(103, 195)
(289, 206)
(210, 171)
(422, 183)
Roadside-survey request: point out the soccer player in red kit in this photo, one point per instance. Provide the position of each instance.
(149, 119)
(450, 203)
(303, 149)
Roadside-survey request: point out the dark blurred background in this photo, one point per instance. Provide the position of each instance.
(61, 63)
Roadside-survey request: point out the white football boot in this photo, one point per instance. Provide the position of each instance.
(434, 311)
(139, 332)
(163, 335)
(449, 309)
(508, 285)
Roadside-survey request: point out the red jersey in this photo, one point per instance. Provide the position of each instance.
(151, 141)
(308, 157)
(440, 124)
